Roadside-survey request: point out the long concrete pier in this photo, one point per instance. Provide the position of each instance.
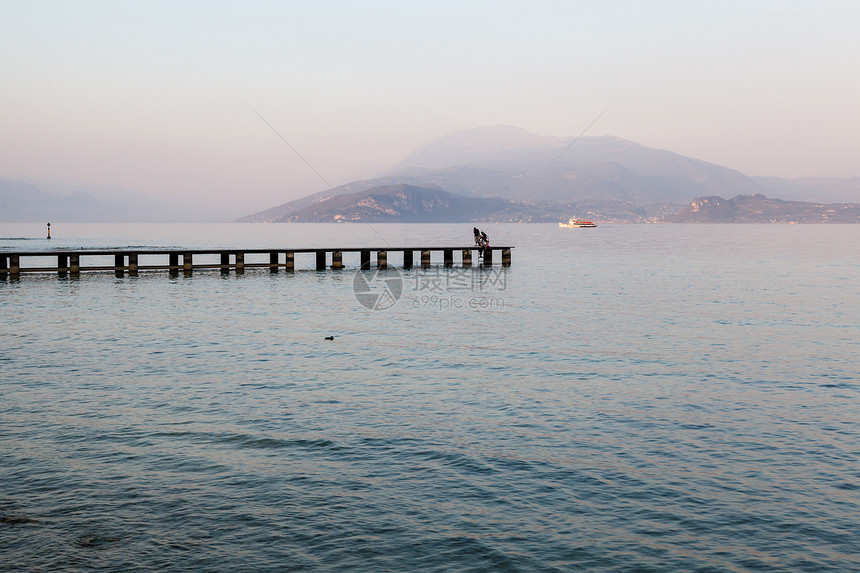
(131, 261)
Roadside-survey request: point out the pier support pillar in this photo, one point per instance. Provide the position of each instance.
(132, 264)
(425, 258)
(225, 263)
(365, 260)
(506, 257)
(75, 264)
(467, 257)
(289, 260)
(336, 260)
(240, 263)
(382, 259)
(187, 264)
(173, 265)
(448, 257)
(4, 265)
(407, 259)
(14, 265)
(119, 265)
(488, 257)
(273, 261)
(62, 265)
(320, 260)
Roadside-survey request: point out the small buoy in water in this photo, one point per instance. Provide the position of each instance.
(329, 337)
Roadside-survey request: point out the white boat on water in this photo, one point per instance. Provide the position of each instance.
(577, 223)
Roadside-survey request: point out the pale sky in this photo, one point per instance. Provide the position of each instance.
(160, 97)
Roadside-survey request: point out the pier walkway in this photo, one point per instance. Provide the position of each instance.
(120, 261)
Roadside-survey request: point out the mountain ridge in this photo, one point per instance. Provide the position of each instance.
(27, 202)
(760, 209)
(398, 202)
(535, 177)
(541, 177)
(405, 203)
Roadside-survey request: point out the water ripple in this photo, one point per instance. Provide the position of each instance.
(672, 409)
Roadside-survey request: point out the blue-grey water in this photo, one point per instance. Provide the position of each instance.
(625, 398)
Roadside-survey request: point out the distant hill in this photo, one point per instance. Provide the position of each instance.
(561, 169)
(760, 209)
(475, 146)
(814, 189)
(281, 212)
(401, 203)
(407, 203)
(26, 202)
(550, 178)
(595, 173)
(498, 173)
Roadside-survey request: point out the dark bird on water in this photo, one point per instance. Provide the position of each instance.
(329, 337)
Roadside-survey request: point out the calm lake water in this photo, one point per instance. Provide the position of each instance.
(625, 398)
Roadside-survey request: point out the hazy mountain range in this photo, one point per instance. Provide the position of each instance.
(499, 173)
(543, 178)
(67, 202)
(402, 203)
(761, 209)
